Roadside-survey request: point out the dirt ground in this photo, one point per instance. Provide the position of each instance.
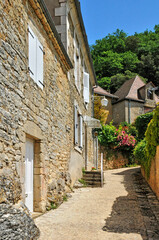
(124, 209)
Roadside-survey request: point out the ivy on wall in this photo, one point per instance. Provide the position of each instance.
(99, 111)
(145, 151)
(141, 124)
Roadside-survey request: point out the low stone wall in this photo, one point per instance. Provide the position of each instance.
(15, 219)
(111, 160)
(153, 180)
(16, 223)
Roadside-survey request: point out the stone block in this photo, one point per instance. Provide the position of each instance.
(61, 11)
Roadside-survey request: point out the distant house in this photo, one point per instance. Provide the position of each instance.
(134, 98)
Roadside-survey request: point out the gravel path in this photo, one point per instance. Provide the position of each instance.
(122, 210)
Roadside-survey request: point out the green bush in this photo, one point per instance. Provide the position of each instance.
(140, 152)
(145, 151)
(107, 135)
(141, 124)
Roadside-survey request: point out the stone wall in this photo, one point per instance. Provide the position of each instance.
(121, 111)
(16, 221)
(153, 180)
(26, 111)
(111, 159)
(45, 116)
(118, 112)
(110, 109)
(136, 109)
(77, 160)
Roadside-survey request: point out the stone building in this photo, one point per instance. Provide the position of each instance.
(46, 121)
(134, 98)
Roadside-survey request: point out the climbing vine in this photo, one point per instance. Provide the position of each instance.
(145, 151)
(99, 111)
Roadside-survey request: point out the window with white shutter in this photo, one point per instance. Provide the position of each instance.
(32, 54)
(39, 64)
(81, 132)
(76, 125)
(86, 87)
(35, 58)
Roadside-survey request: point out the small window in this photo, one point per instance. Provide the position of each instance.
(149, 94)
(35, 59)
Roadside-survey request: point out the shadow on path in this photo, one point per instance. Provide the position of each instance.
(133, 213)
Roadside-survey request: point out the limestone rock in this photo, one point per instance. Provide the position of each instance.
(16, 224)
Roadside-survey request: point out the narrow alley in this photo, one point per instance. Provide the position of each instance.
(124, 209)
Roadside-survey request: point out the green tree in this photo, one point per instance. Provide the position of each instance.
(117, 53)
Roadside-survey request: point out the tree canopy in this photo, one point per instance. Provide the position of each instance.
(119, 57)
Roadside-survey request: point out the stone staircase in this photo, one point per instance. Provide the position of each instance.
(92, 178)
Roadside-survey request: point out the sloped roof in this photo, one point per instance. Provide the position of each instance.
(129, 90)
(101, 91)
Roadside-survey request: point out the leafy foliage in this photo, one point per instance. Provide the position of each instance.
(118, 53)
(146, 149)
(116, 138)
(140, 152)
(107, 135)
(141, 124)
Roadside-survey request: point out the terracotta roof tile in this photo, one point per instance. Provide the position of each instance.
(129, 89)
(101, 91)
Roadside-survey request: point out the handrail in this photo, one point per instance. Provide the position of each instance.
(101, 169)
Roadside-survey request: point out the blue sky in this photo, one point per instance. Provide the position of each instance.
(105, 16)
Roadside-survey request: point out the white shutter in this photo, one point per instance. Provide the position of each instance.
(76, 126)
(81, 132)
(86, 87)
(39, 64)
(32, 54)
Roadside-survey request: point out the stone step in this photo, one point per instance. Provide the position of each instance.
(94, 185)
(93, 172)
(92, 175)
(92, 178)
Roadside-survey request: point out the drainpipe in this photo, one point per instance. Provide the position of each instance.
(129, 111)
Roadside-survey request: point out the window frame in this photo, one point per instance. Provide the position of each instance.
(78, 128)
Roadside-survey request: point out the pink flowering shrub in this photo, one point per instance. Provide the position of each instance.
(124, 140)
(121, 138)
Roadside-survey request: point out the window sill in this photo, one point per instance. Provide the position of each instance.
(78, 149)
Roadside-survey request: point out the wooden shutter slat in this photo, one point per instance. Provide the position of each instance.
(32, 54)
(76, 125)
(39, 64)
(81, 131)
(86, 87)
